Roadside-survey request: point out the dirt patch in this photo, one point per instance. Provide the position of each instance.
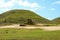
(47, 28)
(51, 28)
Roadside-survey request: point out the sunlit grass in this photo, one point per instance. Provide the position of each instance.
(31, 34)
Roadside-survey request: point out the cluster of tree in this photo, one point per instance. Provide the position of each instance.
(20, 21)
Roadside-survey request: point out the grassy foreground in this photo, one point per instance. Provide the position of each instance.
(25, 34)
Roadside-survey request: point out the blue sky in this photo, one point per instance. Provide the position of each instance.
(49, 9)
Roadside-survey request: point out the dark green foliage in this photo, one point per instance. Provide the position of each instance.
(30, 22)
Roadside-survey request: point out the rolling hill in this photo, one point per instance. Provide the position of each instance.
(56, 20)
(20, 16)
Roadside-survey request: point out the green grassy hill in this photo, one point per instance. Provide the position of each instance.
(19, 16)
(56, 20)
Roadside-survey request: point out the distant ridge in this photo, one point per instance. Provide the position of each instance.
(56, 20)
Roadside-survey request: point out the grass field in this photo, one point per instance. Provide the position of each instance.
(25, 34)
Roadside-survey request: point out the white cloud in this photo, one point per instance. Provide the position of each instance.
(31, 6)
(24, 3)
(52, 9)
(5, 6)
(8, 4)
(27, 4)
(56, 2)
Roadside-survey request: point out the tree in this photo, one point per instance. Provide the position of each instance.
(30, 22)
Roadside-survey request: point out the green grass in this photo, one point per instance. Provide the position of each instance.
(25, 34)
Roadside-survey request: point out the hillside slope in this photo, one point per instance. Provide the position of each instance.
(57, 20)
(19, 16)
